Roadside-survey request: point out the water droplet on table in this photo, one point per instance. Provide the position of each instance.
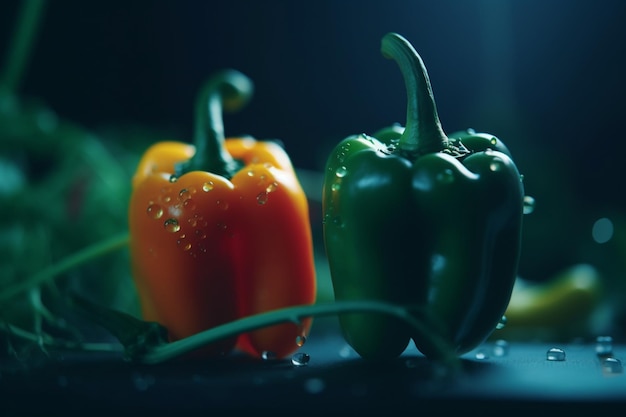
(300, 359)
(500, 348)
(612, 366)
(555, 354)
(267, 355)
(604, 345)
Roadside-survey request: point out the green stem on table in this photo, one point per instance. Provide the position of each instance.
(165, 352)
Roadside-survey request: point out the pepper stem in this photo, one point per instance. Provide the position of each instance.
(227, 90)
(423, 132)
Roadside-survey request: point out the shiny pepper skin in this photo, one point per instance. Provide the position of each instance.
(217, 242)
(417, 218)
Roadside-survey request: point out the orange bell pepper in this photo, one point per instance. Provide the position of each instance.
(220, 230)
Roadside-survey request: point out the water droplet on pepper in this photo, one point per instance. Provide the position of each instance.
(171, 225)
(300, 340)
(207, 186)
(184, 195)
(271, 188)
(529, 204)
(155, 211)
(262, 198)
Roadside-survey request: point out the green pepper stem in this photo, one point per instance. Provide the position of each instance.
(227, 90)
(423, 132)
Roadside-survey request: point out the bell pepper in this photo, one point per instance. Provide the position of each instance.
(220, 230)
(418, 218)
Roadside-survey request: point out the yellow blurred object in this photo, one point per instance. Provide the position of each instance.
(560, 309)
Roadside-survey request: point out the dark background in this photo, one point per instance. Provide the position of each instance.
(545, 76)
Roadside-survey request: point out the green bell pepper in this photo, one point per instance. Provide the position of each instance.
(415, 217)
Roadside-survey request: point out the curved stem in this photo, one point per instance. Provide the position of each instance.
(423, 132)
(72, 261)
(227, 90)
(21, 45)
(171, 350)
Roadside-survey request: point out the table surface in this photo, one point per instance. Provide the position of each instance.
(335, 381)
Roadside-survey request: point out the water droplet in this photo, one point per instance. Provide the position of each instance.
(446, 176)
(528, 204)
(555, 354)
(250, 173)
(502, 323)
(612, 366)
(183, 243)
(193, 221)
(521, 178)
(272, 187)
(496, 164)
(267, 355)
(341, 172)
(314, 385)
(481, 355)
(173, 178)
(184, 195)
(300, 340)
(602, 230)
(604, 345)
(155, 211)
(207, 186)
(494, 141)
(189, 204)
(171, 225)
(300, 359)
(261, 198)
(500, 348)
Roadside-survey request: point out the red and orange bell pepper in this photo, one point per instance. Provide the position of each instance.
(220, 230)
